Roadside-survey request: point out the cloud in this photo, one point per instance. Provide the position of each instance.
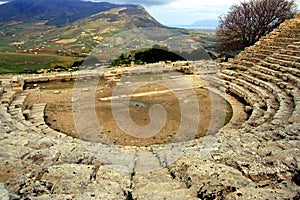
(188, 11)
(141, 2)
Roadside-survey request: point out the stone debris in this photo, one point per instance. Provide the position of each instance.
(258, 160)
(17, 83)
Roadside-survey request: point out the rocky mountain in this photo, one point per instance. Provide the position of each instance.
(74, 28)
(66, 25)
(57, 12)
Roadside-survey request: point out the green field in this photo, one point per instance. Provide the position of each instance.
(30, 63)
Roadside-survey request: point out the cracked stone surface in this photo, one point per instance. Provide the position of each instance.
(258, 160)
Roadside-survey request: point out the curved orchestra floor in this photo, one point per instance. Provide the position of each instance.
(59, 113)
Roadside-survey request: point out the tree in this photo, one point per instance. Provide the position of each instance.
(245, 23)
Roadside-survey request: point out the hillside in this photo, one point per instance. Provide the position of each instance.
(73, 27)
(56, 12)
(66, 25)
(256, 157)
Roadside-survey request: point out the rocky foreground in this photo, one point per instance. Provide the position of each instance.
(258, 160)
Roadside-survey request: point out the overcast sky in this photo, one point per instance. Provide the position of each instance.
(183, 12)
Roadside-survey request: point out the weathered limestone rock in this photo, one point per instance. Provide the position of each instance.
(4, 194)
(159, 184)
(17, 83)
(259, 160)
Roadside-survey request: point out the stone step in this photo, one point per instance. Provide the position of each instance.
(16, 108)
(264, 81)
(289, 40)
(235, 89)
(159, 185)
(263, 53)
(18, 101)
(253, 56)
(295, 92)
(8, 97)
(291, 90)
(240, 68)
(12, 121)
(252, 60)
(286, 106)
(294, 47)
(278, 70)
(265, 100)
(245, 63)
(286, 57)
(6, 85)
(252, 99)
(293, 31)
(17, 114)
(272, 45)
(260, 55)
(279, 73)
(258, 104)
(283, 62)
(268, 70)
(227, 77)
(267, 49)
(290, 52)
(36, 117)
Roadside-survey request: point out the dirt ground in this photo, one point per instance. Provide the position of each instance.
(59, 113)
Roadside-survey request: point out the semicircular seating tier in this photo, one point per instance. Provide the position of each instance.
(260, 159)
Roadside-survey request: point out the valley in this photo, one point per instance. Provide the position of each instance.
(80, 33)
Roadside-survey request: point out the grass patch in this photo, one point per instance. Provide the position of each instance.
(229, 113)
(26, 63)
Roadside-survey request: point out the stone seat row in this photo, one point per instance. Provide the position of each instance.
(280, 65)
(286, 82)
(290, 63)
(266, 101)
(37, 117)
(252, 99)
(288, 75)
(276, 40)
(290, 51)
(253, 56)
(286, 57)
(263, 80)
(282, 62)
(290, 39)
(13, 111)
(294, 46)
(16, 108)
(286, 104)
